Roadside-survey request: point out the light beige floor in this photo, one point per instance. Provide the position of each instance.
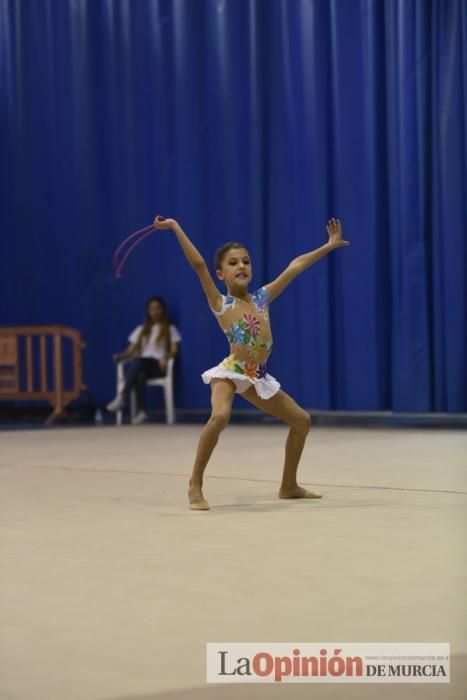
(110, 586)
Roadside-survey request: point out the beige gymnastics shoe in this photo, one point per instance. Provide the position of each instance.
(298, 492)
(200, 505)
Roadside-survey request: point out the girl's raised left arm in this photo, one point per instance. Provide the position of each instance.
(301, 263)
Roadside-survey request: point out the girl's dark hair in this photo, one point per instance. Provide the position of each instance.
(164, 331)
(220, 252)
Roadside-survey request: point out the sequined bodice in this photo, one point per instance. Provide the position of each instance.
(246, 326)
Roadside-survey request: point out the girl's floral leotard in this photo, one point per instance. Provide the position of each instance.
(248, 331)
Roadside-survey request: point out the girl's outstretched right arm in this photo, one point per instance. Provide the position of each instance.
(195, 259)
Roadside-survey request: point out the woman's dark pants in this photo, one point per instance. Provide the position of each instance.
(142, 369)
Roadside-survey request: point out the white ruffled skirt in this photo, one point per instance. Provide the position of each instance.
(265, 386)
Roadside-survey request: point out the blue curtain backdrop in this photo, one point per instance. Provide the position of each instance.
(253, 121)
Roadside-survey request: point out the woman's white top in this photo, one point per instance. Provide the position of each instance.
(149, 347)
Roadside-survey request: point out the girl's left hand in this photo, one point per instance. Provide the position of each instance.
(334, 230)
(163, 363)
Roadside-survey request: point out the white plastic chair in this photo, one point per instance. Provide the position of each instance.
(165, 382)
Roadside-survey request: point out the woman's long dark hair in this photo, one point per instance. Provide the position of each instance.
(164, 330)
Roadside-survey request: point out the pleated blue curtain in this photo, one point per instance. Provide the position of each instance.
(256, 121)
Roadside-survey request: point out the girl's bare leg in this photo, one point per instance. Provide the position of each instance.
(222, 394)
(282, 406)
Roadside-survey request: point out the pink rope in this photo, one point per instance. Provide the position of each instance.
(142, 233)
(127, 240)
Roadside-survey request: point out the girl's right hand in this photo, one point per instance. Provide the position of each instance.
(161, 223)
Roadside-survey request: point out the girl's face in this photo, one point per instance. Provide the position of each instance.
(155, 311)
(236, 268)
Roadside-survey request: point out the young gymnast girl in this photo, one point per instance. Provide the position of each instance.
(244, 318)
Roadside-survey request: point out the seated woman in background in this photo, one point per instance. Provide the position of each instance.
(152, 344)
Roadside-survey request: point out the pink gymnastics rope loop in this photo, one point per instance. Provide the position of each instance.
(140, 236)
(127, 240)
(118, 271)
